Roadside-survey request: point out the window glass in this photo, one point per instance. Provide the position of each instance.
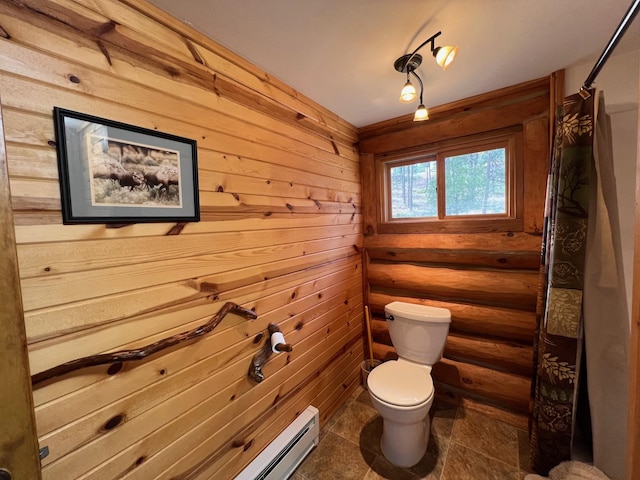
(413, 190)
(475, 183)
(470, 184)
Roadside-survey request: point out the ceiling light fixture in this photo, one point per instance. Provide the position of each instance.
(408, 93)
(408, 63)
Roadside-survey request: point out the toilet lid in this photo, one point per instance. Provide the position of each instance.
(400, 383)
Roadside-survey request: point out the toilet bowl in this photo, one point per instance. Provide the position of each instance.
(402, 393)
(402, 390)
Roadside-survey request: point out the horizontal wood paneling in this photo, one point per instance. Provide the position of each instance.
(35, 129)
(328, 389)
(101, 86)
(280, 233)
(94, 254)
(232, 380)
(308, 307)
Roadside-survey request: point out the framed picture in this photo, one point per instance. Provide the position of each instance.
(111, 172)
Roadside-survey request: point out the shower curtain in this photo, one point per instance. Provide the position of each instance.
(606, 312)
(581, 293)
(559, 309)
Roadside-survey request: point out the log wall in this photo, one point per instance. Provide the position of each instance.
(280, 233)
(487, 279)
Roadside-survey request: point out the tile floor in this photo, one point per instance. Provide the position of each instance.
(464, 445)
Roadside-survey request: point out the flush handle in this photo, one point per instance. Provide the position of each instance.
(390, 317)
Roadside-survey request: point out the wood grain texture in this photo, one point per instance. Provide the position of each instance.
(535, 162)
(370, 192)
(485, 100)
(482, 320)
(140, 35)
(504, 251)
(328, 392)
(237, 338)
(222, 135)
(141, 353)
(18, 445)
(503, 389)
(471, 122)
(196, 296)
(460, 242)
(196, 84)
(515, 289)
(283, 94)
(149, 423)
(489, 352)
(280, 233)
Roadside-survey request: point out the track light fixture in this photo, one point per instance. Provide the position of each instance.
(408, 63)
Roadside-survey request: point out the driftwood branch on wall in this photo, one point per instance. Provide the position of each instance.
(144, 352)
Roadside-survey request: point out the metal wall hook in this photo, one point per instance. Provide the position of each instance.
(275, 343)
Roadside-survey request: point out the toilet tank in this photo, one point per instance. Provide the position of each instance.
(418, 332)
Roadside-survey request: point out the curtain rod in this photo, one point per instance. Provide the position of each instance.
(617, 35)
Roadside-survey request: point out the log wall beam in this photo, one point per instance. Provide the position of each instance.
(475, 242)
(507, 390)
(496, 98)
(482, 258)
(497, 354)
(510, 324)
(484, 120)
(510, 288)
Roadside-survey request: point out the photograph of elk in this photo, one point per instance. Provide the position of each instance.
(111, 172)
(129, 174)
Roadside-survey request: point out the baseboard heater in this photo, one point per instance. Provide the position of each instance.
(286, 452)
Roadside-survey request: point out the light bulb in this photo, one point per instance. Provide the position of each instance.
(408, 93)
(421, 114)
(445, 55)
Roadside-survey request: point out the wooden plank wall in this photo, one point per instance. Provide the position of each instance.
(18, 447)
(280, 233)
(488, 279)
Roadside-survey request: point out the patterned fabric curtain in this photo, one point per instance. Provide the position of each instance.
(559, 310)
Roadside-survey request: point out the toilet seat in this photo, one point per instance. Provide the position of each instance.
(401, 383)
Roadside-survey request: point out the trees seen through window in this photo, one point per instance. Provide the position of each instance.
(471, 181)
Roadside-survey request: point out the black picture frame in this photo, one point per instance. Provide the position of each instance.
(112, 172)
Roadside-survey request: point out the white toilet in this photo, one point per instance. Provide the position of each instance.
(402, 390)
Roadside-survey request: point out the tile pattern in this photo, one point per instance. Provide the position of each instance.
(463, 445)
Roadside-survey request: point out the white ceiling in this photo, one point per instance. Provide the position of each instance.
(340, 53)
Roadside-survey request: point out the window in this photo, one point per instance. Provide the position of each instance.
(452, 185)
(413, 190)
